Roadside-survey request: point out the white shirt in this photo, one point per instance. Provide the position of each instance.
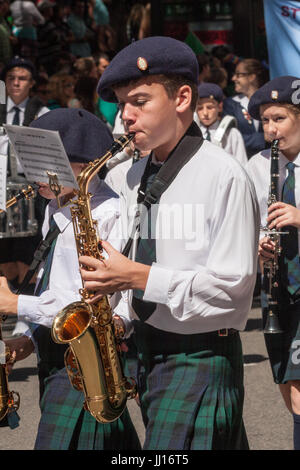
(259, 170)
(25, 13)
(205, 272)
(9, 119)
(232, 142)
(65, 280)
(116, 176)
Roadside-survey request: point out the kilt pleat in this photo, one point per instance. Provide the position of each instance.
(61, 408)
(194, 400)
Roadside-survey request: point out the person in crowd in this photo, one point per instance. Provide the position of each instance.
(188, 296)
(49, 45)
(277, 105)
(85, 67)
(40, 89)
(6, 43)
(19, 76)
(107, 110)
(204, 67)
(26, 17)
(220, 131)
(248, 77)
(219, 76)
(61, 11)
(65, 424)
(80, 47)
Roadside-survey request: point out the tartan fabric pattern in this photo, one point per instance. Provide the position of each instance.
(44, 281)
(193, 401)
(290, 242)
(62, 410)
(146, 253)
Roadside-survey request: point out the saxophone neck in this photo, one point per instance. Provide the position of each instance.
(95, 166)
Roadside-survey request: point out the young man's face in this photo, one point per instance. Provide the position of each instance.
(208, 111)
(151, 114)
(18, 83)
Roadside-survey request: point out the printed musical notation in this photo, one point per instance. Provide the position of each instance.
(41, 151)
(3, 170)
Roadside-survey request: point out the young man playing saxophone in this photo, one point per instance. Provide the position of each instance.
(191, 281)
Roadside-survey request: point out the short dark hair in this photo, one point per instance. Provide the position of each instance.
(171, 84)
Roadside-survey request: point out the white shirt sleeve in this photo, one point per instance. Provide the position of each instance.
(235, 146)
(65, 280)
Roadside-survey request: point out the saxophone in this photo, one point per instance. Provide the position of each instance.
(9, 400)
(92, 359)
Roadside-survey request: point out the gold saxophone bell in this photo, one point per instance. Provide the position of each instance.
(93, 359)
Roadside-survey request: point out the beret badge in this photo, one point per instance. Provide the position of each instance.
(274, 94)
(142, 64)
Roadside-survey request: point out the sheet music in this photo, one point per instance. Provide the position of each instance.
(3, 171)
(2, 92)
(39, 151)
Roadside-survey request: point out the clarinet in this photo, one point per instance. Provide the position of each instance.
(271, 267)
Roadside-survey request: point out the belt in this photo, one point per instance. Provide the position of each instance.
(152, 340)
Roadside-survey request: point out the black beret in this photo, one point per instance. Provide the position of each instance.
(210, 90)
(18, 62)
(279, 90)
(150, 56)
(84, 136)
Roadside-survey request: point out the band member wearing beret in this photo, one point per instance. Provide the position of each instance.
(248, 77)
(189, 277)
(64, 423)
(277, 105)
(220, 131)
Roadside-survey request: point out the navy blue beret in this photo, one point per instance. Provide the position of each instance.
(150, 56)
(84, 136)
(210, 90)
(18, 62)
(279, 90)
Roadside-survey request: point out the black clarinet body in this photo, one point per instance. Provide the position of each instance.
(271, 267)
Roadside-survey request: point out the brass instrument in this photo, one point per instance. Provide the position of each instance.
(92, 360)
(9, 400)
(24, 194)
(271, 268)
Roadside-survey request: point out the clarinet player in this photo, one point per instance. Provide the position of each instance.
(276, 104)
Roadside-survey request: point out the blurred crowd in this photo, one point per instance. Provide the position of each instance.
(71, 42)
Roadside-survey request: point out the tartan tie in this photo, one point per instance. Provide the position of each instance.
(208, 136)
(289, 242)
(146, 253)
(16, 119)
(44, 281)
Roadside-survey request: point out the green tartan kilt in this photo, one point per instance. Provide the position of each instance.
(66, 425)
(191, 400)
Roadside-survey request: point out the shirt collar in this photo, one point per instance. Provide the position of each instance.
(283, 161)
(11, 104)
(242, 99)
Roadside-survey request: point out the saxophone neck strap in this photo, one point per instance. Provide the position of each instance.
(40, 255)
(180, 155)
